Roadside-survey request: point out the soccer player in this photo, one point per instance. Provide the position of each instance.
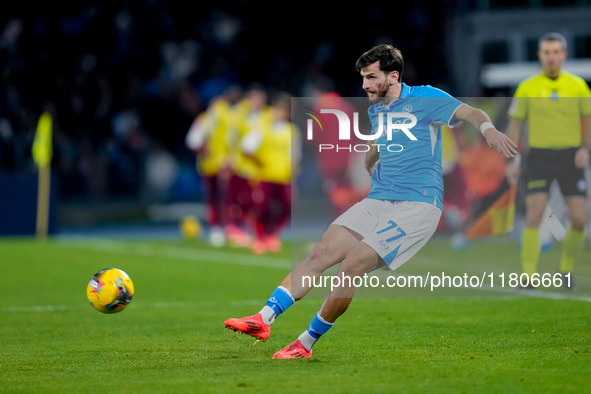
(269, 144)
(207, 138)
(239, 202)
(401, 211)
(554, 103)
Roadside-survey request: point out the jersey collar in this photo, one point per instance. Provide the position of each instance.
(405, 90)
(560, 74)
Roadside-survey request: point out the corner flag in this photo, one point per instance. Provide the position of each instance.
(498, 219)
(42, 150)
(42, 153)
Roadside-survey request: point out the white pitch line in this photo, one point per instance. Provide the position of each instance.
(155, 305)
(37, 308)
(171, 251)
(196, 304)
(178, 252)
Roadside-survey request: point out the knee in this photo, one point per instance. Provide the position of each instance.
(348, 269)
(320, 258)
(354, 264)
(578, 224)
(320, 252)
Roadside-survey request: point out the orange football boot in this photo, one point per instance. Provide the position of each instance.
(295, 350)
(250, 325)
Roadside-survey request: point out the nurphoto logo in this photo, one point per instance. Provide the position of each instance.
(395, 122)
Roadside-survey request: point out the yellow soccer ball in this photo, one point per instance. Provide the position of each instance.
(190, 227)
(110, 290)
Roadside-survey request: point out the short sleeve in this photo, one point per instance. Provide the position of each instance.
(519, 104)
(442, 106)
(585, 100)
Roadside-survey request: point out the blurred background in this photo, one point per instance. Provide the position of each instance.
(124, 81)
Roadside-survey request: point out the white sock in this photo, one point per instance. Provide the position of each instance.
(268, 315)
(307, 340)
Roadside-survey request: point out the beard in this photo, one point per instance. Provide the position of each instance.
(380, 94)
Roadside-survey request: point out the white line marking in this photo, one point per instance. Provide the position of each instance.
(197, 304)
(136, 305)
(201, 255)
(178, 252)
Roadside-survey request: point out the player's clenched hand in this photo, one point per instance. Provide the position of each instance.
(500, 142)
(582, 158)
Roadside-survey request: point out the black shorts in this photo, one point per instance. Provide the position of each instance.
(545, 165)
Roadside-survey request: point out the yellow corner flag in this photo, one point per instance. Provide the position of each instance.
(498, 219)
(42, 150)
(42, 153)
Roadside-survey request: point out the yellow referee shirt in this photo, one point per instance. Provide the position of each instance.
(553, 109)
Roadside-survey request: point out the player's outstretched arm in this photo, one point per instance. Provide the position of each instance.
(495, 139)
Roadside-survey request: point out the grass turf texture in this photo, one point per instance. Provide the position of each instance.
(171, 338)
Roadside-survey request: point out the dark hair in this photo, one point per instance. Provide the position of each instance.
(390, 59)
(552, 37)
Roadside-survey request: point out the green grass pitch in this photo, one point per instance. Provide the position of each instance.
(171, 338)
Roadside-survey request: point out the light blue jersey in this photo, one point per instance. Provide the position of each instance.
(410, 170)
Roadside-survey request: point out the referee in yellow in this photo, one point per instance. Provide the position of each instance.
(556, 105)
